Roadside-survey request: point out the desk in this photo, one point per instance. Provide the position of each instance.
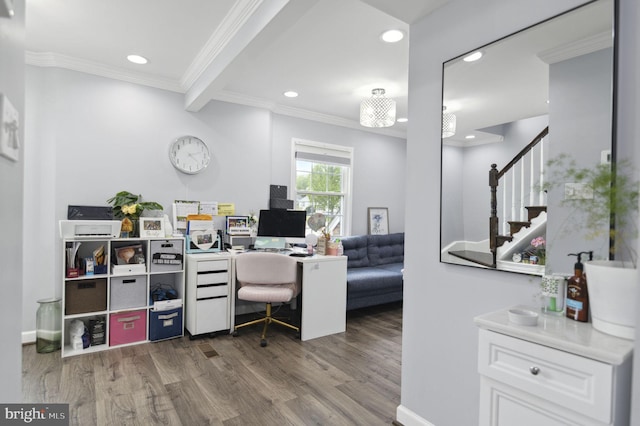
(323, 281)
(324, 295)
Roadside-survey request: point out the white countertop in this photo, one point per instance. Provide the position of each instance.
(561, 333)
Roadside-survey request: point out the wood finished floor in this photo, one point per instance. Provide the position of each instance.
(352, 378)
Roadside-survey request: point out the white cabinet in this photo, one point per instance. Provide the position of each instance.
(108, 285)
(209, 300)
(559, 372)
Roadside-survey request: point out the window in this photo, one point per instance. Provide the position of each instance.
(322, 182)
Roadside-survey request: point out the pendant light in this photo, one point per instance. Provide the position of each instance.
(448, 123)
(378, 110)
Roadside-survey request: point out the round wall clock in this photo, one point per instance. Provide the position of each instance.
(189, 154)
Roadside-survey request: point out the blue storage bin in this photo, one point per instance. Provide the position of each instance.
(165, 324)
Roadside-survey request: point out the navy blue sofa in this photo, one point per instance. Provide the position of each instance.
(374, 269)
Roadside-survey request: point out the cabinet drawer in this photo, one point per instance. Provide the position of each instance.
(212, 291)
(212, 265)
(571, 381)
(212, 315)
(221, 277)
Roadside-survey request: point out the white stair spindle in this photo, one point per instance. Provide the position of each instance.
(541, 201)
(531, 178)
(521, 198)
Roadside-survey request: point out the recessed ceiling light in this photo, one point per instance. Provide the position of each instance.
(473, 57)
(291, 94)
(402, 120)
(137, 59)
(392, 36)
(470, 137)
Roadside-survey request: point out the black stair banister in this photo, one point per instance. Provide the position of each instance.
(495, 240)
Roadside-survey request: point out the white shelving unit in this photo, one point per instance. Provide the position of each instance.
(118, 296)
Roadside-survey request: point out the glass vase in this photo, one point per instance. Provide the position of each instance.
(48, 325)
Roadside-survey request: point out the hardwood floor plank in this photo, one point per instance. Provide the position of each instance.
(193, 406)
(350, 378)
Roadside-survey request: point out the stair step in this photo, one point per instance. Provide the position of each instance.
(534, 211)
(481, 258)
(501, 239)
(515, 226)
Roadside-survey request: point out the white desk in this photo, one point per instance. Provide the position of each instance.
(323, 296)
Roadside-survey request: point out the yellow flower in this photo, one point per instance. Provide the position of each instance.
(130, 209)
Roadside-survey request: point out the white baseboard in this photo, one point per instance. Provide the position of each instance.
(409, 418)
(28, 337)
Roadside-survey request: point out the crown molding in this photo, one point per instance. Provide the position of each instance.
(241, 11)
(237, 98)
(54, 60)
(577, 48)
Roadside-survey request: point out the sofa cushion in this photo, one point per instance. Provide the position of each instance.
(384, 249)
(355, 248)
(372, 280)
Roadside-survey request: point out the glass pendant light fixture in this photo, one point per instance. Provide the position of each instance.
(378, 110)
(448, 123)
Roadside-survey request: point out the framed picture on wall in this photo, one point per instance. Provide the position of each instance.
(378, 220)
(151, 227)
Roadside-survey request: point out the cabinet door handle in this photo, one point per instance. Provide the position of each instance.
(534, 370)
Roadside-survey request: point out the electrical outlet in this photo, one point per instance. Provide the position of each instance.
(577, 191)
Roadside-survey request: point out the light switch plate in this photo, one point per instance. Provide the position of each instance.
(9, 126)
(577, 191)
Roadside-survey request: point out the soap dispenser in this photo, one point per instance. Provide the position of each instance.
(577, 295)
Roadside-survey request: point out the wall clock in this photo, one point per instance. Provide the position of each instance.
(189, 154)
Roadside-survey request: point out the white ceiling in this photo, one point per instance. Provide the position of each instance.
(242, 51)
(251, 51)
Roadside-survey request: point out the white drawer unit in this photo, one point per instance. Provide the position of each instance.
(209, 291)
(557, 373)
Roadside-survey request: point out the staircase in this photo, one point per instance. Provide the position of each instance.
(522, 205)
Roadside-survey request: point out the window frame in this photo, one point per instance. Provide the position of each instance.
(322, 148)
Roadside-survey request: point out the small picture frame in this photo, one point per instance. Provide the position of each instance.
(238, 225)
(378, 220)
(151, 227)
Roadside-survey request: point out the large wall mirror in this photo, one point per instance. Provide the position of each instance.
(529, 97)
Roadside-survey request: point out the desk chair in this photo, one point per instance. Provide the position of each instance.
(266, 277)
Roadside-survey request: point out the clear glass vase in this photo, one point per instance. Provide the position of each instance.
(48, 325)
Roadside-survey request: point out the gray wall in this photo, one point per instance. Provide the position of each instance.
(96, 136)
(440, 383)
(581, 128)
(11, 184)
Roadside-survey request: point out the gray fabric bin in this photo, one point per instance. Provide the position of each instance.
(128, 292)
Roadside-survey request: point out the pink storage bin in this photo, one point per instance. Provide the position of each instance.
(127, 327)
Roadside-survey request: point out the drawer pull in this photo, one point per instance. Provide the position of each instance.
(534, 370)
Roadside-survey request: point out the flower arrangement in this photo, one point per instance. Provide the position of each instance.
(253, 219)
(539, 246)
(126, 204)
(129, 207)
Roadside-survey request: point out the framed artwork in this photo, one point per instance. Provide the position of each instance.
(152, 227)
(378, 220)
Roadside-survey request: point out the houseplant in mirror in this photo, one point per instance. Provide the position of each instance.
(608, 203)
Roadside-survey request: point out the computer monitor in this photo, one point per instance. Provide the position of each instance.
(290, 224)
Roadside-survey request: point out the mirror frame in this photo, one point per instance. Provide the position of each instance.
(613, 111)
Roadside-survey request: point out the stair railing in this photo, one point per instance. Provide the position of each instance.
(516, 189)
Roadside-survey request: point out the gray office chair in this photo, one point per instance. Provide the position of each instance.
(269, 278)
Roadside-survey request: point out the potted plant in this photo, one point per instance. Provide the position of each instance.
(128, 207)
(613, 208)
